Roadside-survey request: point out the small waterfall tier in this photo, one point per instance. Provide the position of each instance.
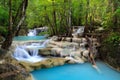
(78, 32)
(29, 52)
(32, 32)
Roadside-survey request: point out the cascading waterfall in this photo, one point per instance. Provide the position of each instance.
(32, 32)
(79, 31)
(29, 52)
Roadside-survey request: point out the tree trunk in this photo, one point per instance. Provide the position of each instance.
(48, 21)
(115, 19)
(8, 41)
(54, 18)
(86, 17)
(11, 31)
(22, 18)
(69, 19)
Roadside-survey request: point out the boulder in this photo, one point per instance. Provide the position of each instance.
(68, 39)
(12, 71)
(56, 51)
(45, 51)
(22, 32)
(50, 62)
(54, 38)
(77, 40)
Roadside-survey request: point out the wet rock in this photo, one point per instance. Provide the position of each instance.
(77, 40)
(9, 71)
(50, 62)
(54, 38)
(56, 51)
(45, 52)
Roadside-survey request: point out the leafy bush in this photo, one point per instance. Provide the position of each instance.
(113, 39)
(111, 49)
(4, 17)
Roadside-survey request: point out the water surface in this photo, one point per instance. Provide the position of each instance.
(77, 72)
(25, 38)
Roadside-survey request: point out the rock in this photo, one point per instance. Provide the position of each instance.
(85, 53)
(45, 51)
(71, 62)
(50, 62)
(75, 35)
(84, 40)
(56, 51)
(68, 39)
(51, 45)
(64, 44)
(54, 38)
(76, 53)
(58, 61)
(74, 59)
(77, 40)
(22, 32)
(9, 71)
(65, 52)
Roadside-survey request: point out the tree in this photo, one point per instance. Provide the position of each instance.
(12, 29)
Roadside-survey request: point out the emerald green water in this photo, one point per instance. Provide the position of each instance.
(77, 72)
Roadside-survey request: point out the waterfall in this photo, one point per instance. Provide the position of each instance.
(79, 32)
(29, 52)
(32, 32)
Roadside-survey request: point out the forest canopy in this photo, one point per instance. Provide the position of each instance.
(61, 14)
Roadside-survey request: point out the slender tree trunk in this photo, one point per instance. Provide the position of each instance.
(8, 41)
(54, 18)
(66, 18)
(86, 17)
(48, 21)
(69, 19)
(22, 18)
(115, 19)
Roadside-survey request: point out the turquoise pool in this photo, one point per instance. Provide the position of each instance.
(77, 72)
(25, 38)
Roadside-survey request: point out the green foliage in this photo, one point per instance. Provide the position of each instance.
(113, 39)
(40, 11)
(3, 30)
(4, 16)
(117, 12)
(111, 49)
(3, 20)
